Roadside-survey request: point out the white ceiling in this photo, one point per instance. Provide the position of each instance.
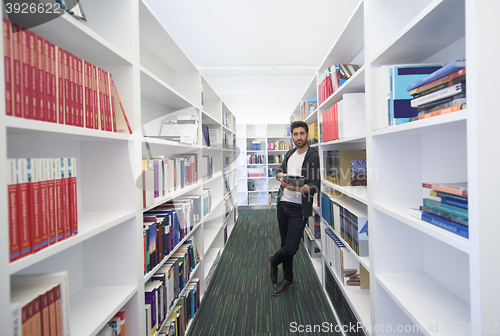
(255, 37)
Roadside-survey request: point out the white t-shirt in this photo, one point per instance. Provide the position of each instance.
(294, 167)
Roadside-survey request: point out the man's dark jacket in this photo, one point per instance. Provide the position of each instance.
(311, 172)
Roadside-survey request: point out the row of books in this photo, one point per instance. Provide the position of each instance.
(256, 159)
(348, 218)
(183, 312)
(206, 201)
(275, 158)
(342, 307)
(40, 304)
(162, 175)
(308, 106)
(47, 83)
(446, 207)
(313, 134)
(345, 118)
(314, 224)
(441, 92)
(271, 172)
(212, 258)
(256, 145)
(227, 143)
(207, 167)
(332, 78)
(345, 167)
(42, 203)
(278, 145)
(163, 290)
(166, 225)
(225, 119)
(115, 327)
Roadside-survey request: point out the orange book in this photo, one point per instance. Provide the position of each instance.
(7, 51)
(122, 123)
(442, 111)
(58, 309)
(52, 313)
(45, 314)
(459, 188)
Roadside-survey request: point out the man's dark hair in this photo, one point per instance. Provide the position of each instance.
(296, 124)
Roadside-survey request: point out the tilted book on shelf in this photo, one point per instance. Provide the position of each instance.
(447, 69)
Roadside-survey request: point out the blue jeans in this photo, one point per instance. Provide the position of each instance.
(291, 224)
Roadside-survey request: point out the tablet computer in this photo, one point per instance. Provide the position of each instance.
(295, 180)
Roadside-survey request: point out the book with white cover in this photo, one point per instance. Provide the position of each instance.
(351, 112)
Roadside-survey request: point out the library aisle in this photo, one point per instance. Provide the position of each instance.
(240, 300)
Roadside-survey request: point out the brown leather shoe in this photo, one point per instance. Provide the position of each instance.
(273, 272)
(282, 286)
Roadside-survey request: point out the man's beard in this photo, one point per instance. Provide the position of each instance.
(302, 145)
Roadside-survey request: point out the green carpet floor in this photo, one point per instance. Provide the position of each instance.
(239, 300)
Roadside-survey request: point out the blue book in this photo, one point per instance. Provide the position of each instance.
(325, 209)
(447, 69)
(441, 222)
(450, 209)
(400, 76)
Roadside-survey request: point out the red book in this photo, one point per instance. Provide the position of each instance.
(89, 112)
(34, 200)
(335, 121)
(25, 74)
(51, 201)
(73, 204)
(61, 91)
(59, 200)
(95, 93)
(23, 207)
(107, 104)
(14, 239)
(7, 51)
(459, 188)
(66, 198)
(67, 88)
(52, 74)
(35, 109)
(42, 204)
(79, 81)
(102, 113)
(112, 100)
(17, 71)
(72, 90)
(41, 94)
(46, 82)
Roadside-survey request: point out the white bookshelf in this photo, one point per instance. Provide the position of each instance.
(421, 274)
(262, 134)
(105, 259)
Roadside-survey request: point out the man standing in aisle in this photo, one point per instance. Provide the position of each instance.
(294, 202)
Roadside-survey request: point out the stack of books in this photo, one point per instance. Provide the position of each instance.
(345, 167)
(275, 158)
(441, 92)
(446, 207)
